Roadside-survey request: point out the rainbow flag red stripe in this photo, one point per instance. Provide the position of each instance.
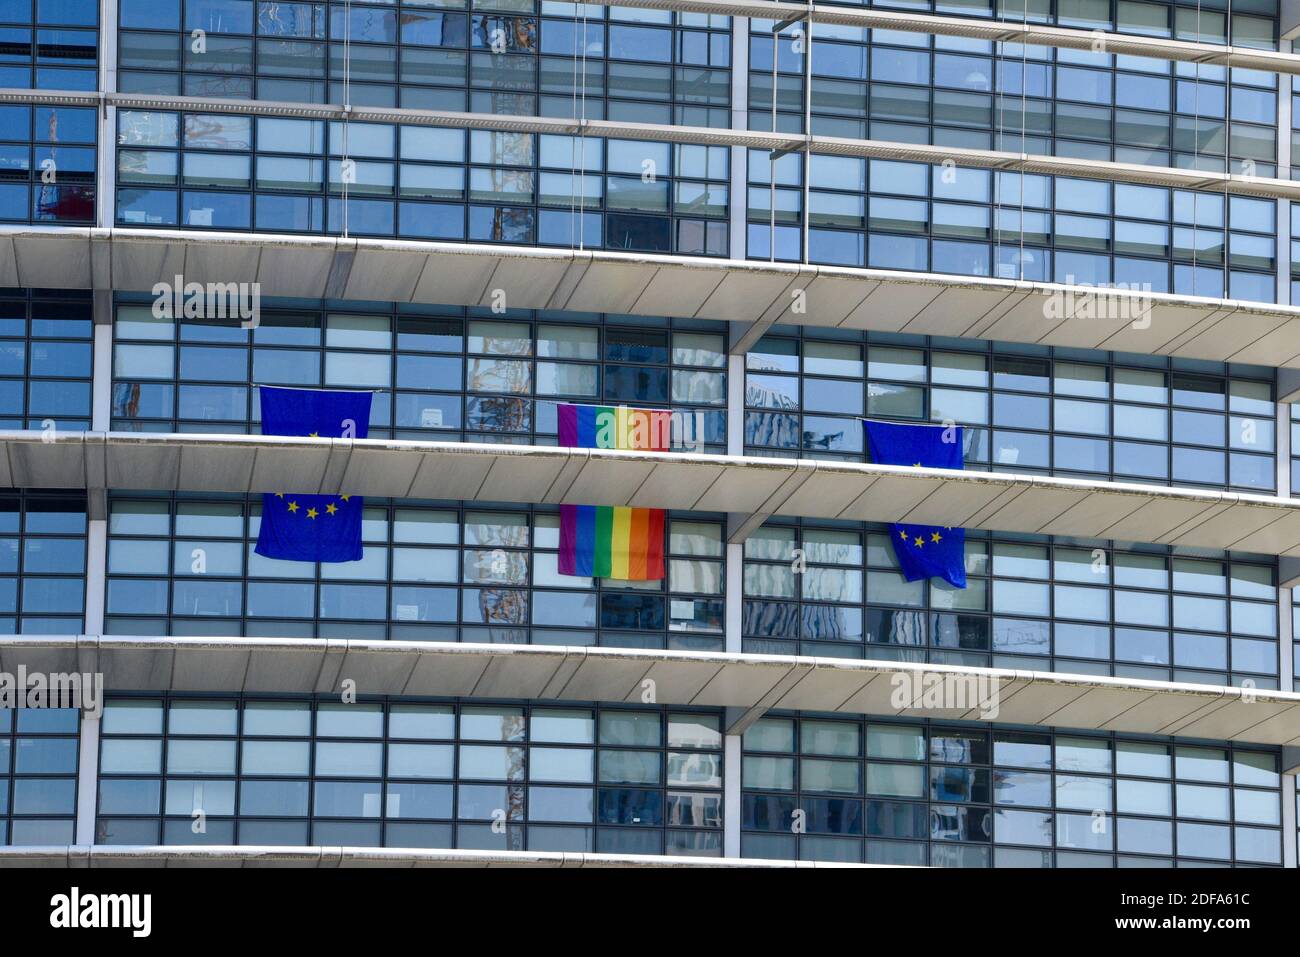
(612, 541)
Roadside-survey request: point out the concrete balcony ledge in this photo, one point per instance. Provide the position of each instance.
(748, 486)
(748, 685)
(760, 293)
(90, 856)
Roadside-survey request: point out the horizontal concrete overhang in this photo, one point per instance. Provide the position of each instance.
(171, 855)
(757, 293)
(746, 486)
(747, 685)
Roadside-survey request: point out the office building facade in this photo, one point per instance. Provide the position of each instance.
(1058, 224)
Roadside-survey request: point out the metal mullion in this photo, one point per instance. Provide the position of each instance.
(313, 739)
(807, 127)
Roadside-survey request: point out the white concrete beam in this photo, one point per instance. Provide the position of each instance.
(320, 267)
(116, 856)
(749, 486)
(750, 683)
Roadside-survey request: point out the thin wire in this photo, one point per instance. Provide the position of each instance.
(999, 143)
(1227, 156)
(1196, 152)
(573, 145)
(1024, 83)
(807, 129)
(347, 103)
(582, 132)
(771, 160)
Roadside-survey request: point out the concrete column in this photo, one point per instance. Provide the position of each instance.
(735, 446)
(1286, 566)
(739, 190)
(96, 575)
(106, 165)
(734, 610)
(101, 390)
(1285, 635)
(731, 797)
(87, 779)
(101, 395)
(1288, 821)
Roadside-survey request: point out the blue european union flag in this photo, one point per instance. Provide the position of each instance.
(312, 528)
(924, 551)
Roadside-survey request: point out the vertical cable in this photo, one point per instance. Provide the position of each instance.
(1024, 113)
(807, 125)
(573, 143)
(582, 136)
(771, 159)
(1227, 159)
(995, 99)
(347, 106)
(1196, 148)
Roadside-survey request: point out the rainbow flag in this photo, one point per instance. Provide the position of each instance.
(613, 541)
(615, 427)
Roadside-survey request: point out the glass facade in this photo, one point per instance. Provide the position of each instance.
(1037, 604)
(511, 776)
(646, 66)
(1089, 104)
(49, 44)
(272, 174)
(47, 164)
(281, 768)
(45, 359)
(970, 222)
(38, 776)
(1024, 409)
(42, 563)
(428, 573)
(963, 796)
(445, 374)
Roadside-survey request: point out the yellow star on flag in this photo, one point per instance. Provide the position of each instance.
(919, 541)
(312, 513)
(279, 495)
(345, 497)
(902, 533)
(331, 508)
(313, 435)
(936, 537)
(916, 465)
(293, 506)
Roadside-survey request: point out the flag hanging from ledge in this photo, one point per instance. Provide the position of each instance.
(614, 427)
(606, 541)
(312, 528)
(924, 551)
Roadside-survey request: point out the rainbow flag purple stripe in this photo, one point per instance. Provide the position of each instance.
(614, 427)
(612, 541)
